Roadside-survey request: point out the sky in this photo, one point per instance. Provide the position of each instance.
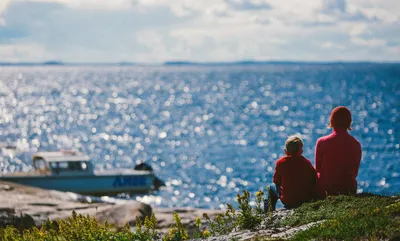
(153, 31)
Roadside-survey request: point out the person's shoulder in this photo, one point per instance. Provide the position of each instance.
(324, 139)
(354, 140)
(308, 163)
(305, 159)
(352, 137)
(282, 160)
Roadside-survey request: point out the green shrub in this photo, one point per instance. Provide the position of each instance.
(80, 227)
(246, 217)
(148, 232)
(177, 232)
(270, 209)
(198, 233)
(249, 218)
(222, 224)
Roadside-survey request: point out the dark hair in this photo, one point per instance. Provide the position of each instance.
(294, 144)
(340, 118)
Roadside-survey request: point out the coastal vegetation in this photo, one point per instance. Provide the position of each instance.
(359, 217)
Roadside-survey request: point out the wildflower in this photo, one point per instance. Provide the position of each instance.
(198, 222)
(206, 234)
(138, 223)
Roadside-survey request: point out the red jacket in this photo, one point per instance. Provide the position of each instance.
(337, 160)
(297, 179)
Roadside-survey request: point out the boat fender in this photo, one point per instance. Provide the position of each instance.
(143, 167)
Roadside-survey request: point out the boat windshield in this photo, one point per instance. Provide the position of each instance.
(64, 166)
(40, 164)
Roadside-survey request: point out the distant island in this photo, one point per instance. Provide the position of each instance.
(244, 62)
(51, 62)
(190, 63)
(60, 63)
(272, 62)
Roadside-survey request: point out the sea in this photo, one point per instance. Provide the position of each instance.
(208, 131)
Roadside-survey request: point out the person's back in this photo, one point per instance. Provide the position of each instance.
(337, 157)
(296, 177)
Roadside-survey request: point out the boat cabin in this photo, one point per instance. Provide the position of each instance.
(62, 162)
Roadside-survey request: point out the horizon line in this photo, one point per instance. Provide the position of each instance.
(194, 63)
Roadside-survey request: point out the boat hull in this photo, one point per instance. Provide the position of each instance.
(93, 185)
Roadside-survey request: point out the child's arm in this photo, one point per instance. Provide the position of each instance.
(277, 176)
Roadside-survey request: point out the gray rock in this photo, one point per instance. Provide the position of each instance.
(165, 217)
(9, 217)
(43, 204)
(292, 231)
(122, 214)
(268, 228)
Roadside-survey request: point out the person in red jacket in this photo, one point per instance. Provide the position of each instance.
(337, 157)
(294, 178)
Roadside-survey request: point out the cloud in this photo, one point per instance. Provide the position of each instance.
(334, 6)
(248, 5)
(23, 53)
(90, 4)
(3, 7)
(368, 42)
(8, 34)
(330, 45)
(341, 12)
(207, 30)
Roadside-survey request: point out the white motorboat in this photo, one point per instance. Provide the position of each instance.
(74, 172)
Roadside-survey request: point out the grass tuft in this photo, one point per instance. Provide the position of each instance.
(348, 218)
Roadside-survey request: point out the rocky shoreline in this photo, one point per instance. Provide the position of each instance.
(343, 217)
(25, 207)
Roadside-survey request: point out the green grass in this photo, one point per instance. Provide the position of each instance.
(348, 218)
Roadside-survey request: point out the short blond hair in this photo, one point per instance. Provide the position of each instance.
(294, 144)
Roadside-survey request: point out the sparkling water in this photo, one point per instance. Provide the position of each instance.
(208, 131)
